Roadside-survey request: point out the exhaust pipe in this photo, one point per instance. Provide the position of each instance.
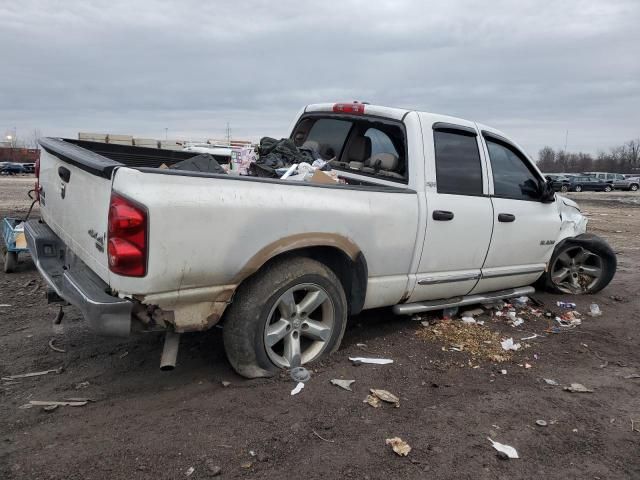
(170, 351)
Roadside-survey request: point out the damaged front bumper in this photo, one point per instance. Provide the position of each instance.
(76, 283)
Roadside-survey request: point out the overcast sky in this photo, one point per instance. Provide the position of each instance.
(533, 69)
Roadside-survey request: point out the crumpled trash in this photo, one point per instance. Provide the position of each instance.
(550, 381)
(344, 384)
(385, 396)
(509, 345)
(508, 450)
(578, 388)
(521, 301)
(517, 322)
(473, 313)
(566, 304)
(399, 446)
(298, 388)
(594, 310)
(468, 320)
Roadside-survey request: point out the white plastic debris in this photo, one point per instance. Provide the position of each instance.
(509, 345)
(189, 471)
(290, 171)
(298, 388)
(535, 335)
(521, 300)
(517, 322)
(578, 388)
(594, 310)
(550, 381)
(468, 320)
(503, 371)
(375, 361)
(508, 450)
(345, 384)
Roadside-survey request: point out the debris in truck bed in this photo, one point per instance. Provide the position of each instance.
(200, 163)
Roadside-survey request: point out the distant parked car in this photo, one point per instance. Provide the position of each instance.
(559, 182)
(29, 167)
(579, 184)
(617, 180)
(8, 168)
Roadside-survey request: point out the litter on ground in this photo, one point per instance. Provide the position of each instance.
(399, 446)
(42, 403)
(375, 361)
(297, 389)
(578, 388)
(344, 384)
(385, 396)
(33, 374)
(509, 345)
(550, 381)
(508, 450)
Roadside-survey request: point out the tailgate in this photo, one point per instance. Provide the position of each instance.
(74, 199)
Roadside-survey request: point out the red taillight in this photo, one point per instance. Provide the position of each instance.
(37, 172)
(353, 108)
(127, 245)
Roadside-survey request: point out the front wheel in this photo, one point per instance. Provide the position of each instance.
(633, 188)
(291, 313)
(564, 189)
(607, 189)
(578, 188)
(583, 264)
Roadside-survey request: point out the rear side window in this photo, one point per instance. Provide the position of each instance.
(512, 176)
(458, 168)
(330, 135)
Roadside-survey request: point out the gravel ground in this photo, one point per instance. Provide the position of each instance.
(143, 423)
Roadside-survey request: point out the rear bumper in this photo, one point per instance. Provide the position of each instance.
(76, 283)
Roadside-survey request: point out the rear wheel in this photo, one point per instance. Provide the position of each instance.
(584, 264)
(10, 261)
(578, 188)
(292, 313)
(564, 189)
(607, 188)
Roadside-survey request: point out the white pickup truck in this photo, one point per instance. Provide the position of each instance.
(432, 212)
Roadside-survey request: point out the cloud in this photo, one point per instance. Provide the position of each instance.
(532, 69)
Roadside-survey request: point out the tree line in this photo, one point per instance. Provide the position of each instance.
(621, 159)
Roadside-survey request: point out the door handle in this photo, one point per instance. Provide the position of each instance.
(442, 215)
(64, 174)
(506, 217)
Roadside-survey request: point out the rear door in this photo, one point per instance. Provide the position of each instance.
(459, 212)
(524, 228)
(74, 200)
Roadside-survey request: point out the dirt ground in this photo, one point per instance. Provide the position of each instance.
(148, 424)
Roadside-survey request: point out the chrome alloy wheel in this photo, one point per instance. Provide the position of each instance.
(576, 270)
(299, 326)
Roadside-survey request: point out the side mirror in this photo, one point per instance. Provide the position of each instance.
(546, 191)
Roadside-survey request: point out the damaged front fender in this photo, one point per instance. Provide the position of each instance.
(574, 223)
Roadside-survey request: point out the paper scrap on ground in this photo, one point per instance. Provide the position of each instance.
(298, 388)
(509, 345)
(345, 384)
(376, 361)
(41, 403)
(506, 449)
(578, 388)
(33, 374)
(399, 446)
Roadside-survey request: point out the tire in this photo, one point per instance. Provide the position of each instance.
(10, 261)
(577, 188)
(633, 187)
(607, 189)
(257, 312)
(590, 254)
(564, 189)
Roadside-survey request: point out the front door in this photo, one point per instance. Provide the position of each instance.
(459, 212)
(524, 228)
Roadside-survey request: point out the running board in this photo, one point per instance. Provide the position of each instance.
(418, 307)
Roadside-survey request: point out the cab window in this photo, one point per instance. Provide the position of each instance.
(513, 176)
